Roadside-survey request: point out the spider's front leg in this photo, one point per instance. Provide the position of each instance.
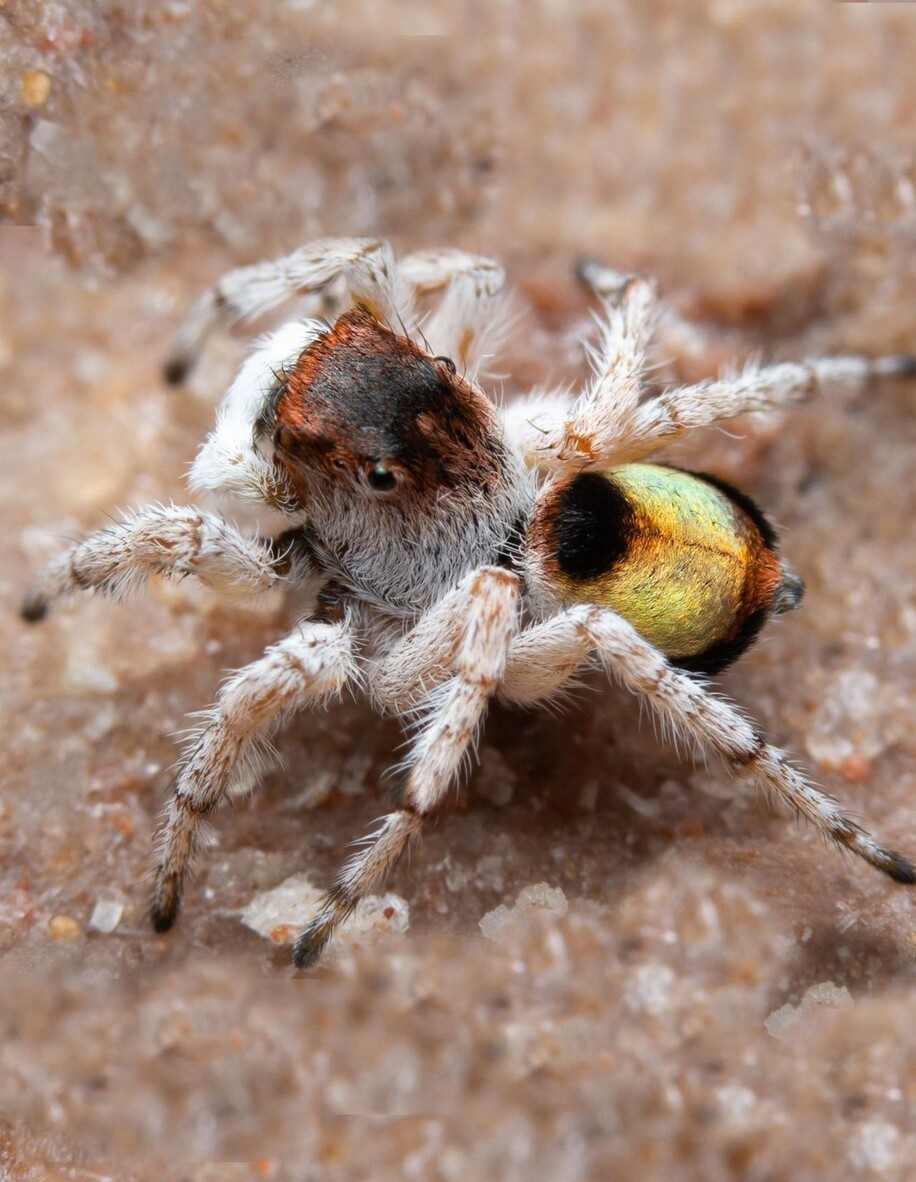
(543, 658)
(455, 711)
(170, 541)
(403, 676)
(306, 668)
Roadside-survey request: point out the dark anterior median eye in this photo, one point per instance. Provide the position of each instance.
(381, 478)
(447, 362)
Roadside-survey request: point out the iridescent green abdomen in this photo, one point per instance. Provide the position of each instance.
(690, 562)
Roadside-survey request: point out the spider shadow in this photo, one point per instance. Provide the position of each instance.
(842, 931)
(592, 777)
(601, 739)
(863, 960)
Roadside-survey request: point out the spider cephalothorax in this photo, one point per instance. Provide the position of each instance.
(395, 460)
(466, 551)
(368, 402)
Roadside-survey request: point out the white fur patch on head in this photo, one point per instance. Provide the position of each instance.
(229, 460)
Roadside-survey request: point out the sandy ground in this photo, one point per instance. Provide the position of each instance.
(604, 961)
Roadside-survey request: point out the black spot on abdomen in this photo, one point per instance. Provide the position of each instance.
(593, 528)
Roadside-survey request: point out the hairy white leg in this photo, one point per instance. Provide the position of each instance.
(421, 660)
(673, 337)
(660, 420)
(469, 319)
(366, 265)
(551, 428)
(542, 657)
(552, 432)
(531, 423)
(306, 668)
(610, 423)
(161, 540)
(455, 711)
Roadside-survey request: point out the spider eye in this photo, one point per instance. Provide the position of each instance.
(380, 478)
(448, 363)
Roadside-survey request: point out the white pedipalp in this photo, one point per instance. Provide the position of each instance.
(230, 459)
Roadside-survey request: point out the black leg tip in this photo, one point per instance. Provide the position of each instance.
(895, 365)
(175, 370)
(309, 948)
(901, 869)
(162, 920)
(903, 365)
(33, 608)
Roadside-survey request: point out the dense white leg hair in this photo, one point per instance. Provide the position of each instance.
(453, 714)
(305, 668)
(661, 420)
(552, 431)
(469, 320)
(674, 337)
(161, 540)
(366, 265)
(544, 656)
(611, 423)
(407, 671)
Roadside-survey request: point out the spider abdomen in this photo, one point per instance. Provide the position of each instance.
(690, 562)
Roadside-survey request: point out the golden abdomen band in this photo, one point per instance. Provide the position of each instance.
(689, 561)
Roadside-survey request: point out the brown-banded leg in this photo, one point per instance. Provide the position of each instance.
(161, 540)
(306, 668)
(366, 265)
(544, 656)
(456, 710)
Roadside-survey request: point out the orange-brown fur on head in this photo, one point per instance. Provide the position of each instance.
(362, 399)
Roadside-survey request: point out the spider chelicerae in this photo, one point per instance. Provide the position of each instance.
(458, 551)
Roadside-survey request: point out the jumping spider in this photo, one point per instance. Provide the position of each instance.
(459, 551)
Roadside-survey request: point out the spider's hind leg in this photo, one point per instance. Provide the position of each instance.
(544, 656)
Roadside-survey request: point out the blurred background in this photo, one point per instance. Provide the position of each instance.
(604, 961)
